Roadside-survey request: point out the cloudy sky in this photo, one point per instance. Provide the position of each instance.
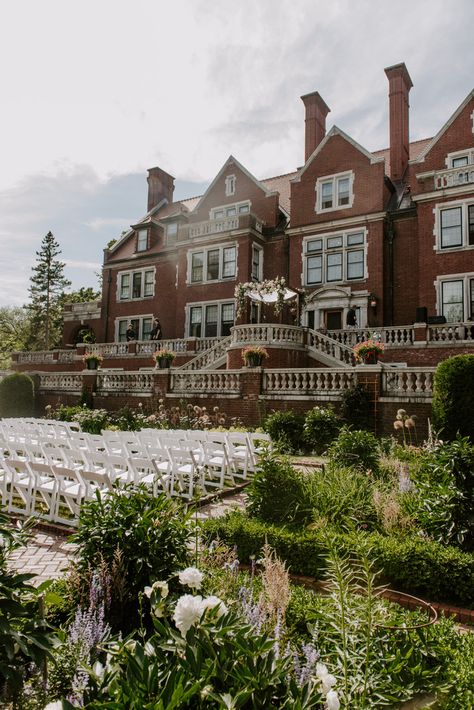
(95, 92)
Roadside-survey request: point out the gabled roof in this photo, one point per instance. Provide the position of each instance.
(281, 184)
(335, 131)
(233, 160)
(415, 149)
(448, 123)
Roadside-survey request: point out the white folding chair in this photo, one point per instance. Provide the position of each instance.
(70, 494)
(185, 472)
(46, 485)
(145, 471)
(214, 464)
(94, 483)
(21, 485)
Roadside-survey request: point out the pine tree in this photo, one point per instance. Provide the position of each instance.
(47, 286)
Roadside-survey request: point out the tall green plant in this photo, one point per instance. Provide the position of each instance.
(453, 397)
(17, 396)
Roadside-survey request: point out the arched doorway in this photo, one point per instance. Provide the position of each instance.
(326, 308)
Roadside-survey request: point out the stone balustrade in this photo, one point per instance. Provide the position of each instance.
(107, 349)
(335, 351)
(263, 333)
(213, 226)
(60, 381)
(148, 347)
(408, 381)
(327, 381)
(393, 336)
(209, 381)
(39, 356)
(453, 178)
(450, 333)
(126, 382)
(216, 351)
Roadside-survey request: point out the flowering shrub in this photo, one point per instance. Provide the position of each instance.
(164, 354)
(368, 347)
(262, 288)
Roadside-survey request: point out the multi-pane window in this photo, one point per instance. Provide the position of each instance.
(338, 257)
(171, 232)
(461, 158)
(220, 264)
(142, 240)
(456, 226)
(456, 298)
(460, 162)
(208, 320)
(136, 284)
(230, 211)
(334, 192)
(256, 263)
(142, 326)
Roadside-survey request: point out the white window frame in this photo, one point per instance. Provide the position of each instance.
(465, 279)
(142, 233)
(140, 318)
(204, 251)
(259, 275)
(437, 210)
(230, 183)
(203, 306)
(345, 249)
(221, 211)
(334, 180)
(130, 274)
(466, 153)
(171, 237)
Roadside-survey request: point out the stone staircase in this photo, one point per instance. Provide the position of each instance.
(329, 351)
(210, 359)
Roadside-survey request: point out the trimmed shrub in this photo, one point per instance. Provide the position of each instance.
(356, 407)
(321, 427)
(278, 492)
(410, 564)
(286, 431)
(453, 397)
(17, 396)
(355, 449)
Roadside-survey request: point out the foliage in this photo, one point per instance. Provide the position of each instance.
(92, 357)
(286, 430)
(85, 294)
(15, 332)
(25, 637)
(356, 449)
(254, 352)
(356, 407)
(164, 354)
(453, 398)
(46, 290)
(278, 492)
(409, 563)
(17, 396)
(321, 427)
(150, 532)
(442, 501)
(459, 664)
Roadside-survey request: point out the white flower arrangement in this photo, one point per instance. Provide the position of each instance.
(262, 288)
(191, 577)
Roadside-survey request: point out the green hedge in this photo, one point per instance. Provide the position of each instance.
(413, 565)
(17, 396)
(453, 397)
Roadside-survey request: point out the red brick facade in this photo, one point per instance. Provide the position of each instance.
(351, 228)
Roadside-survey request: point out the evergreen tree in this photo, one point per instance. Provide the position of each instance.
(47, 286)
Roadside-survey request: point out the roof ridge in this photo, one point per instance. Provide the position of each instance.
(419, 140)
(273, 177)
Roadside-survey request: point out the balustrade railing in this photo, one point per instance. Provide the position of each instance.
(208, 357)
(108, 349)
(451, 333)
(67, 356)
(271, 333)
(308, 382)
(125, 382)
(406, 381)
(60, 381)
(325, 345)
(393, 336)
(148, 347)
(43, 356)
(213, 226)
(209, 381)
(454, 177)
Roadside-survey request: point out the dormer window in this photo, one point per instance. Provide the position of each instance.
(334, 192)
(230, 185)
(230, 211)
(460, 159)
(171, 232)
(142, 240)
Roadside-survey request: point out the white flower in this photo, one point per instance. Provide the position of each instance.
(191, 577)
(188, 612)
(332, 701)
(327, 681)
(161, 586)
(212, 603)
(321, 670)
(54, 706)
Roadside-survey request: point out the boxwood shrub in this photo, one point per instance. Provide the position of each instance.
(17, 396)
(410, 564)
(453, 397)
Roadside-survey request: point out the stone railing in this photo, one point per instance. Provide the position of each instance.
(451, 333)
(394, 336)
(327, 347)
(60, 381)
(148, 347)
(107, 349)
(454, 177)
(210, 381)
(207, 358)
(80, 311)
(67, 356)
(308, 382)
(266, 334)
(203, 344)
(213, 226)
(40, 356)
(126, 382)
(408, 381)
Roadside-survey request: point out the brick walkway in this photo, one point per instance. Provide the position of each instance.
(48, 554)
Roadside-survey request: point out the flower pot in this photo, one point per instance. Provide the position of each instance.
(253, 360)
(370, 358)
(91, 364)
(163, 363)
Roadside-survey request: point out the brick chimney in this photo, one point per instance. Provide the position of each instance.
(315, 122)
(399, 87)
(160, 185)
